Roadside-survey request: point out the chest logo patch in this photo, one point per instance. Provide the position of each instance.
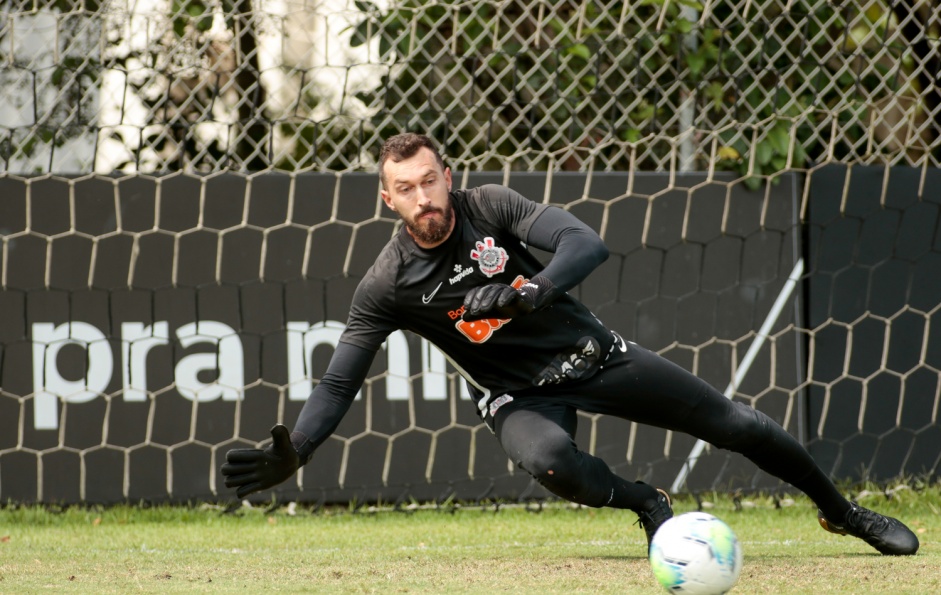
(491, 259)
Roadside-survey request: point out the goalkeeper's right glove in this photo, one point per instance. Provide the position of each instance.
(505, 301)
(253, 469)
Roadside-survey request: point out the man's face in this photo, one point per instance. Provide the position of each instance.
(417, 189)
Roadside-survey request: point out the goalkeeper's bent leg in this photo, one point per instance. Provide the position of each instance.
(537, 436)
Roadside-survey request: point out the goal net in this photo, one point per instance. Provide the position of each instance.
(189, 199)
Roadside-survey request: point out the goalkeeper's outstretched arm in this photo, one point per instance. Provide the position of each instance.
(251, 470)
(577, 249)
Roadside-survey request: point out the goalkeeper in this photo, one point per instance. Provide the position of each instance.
(459, 274)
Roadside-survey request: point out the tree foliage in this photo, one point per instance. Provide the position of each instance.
(755, 87)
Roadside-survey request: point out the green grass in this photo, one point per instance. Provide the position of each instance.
(559, 550)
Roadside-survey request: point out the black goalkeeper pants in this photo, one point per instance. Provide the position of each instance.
(537, 428)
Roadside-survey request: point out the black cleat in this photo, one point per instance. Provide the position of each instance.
(657, 511)
(890, 536)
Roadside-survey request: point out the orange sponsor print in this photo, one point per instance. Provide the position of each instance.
(479, 331)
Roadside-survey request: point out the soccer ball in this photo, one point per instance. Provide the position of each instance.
(696, 553)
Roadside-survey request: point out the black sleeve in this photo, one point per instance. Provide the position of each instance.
(577, 249)
(331, 398)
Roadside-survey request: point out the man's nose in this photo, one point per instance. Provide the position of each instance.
(423, 197)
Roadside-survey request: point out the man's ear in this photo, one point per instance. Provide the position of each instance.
(386, 199)
(447, 177)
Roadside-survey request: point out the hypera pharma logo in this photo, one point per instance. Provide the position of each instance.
(460, 273)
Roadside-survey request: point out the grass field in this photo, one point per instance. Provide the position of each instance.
(558, 550)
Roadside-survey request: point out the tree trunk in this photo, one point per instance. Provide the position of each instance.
(255, 137)
(915, 25)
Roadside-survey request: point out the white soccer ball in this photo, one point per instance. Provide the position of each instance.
(696, 553)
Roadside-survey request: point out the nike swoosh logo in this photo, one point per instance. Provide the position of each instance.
(427, 298)
(620, 343)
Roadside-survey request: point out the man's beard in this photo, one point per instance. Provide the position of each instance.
(431, 231)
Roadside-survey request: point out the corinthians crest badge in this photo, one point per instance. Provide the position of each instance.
(490, 258)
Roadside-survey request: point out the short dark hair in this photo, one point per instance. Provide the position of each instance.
(402, 146)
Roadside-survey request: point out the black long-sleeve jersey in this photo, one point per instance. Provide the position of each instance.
(423, 290)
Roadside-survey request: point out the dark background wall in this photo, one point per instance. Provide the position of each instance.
(695, 268)
(872, 299)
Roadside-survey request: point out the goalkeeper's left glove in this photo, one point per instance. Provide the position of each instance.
(504, 301)
(253, 469)
(578, 363)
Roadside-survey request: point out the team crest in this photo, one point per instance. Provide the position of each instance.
(490, 258)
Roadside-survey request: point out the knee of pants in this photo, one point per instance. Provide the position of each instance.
(561, 468)
(551, 461)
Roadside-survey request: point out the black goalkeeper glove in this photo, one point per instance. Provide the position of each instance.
(504, 301)
(578, 363)
(253, 469)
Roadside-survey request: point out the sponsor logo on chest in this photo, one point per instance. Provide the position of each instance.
(461, 273)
